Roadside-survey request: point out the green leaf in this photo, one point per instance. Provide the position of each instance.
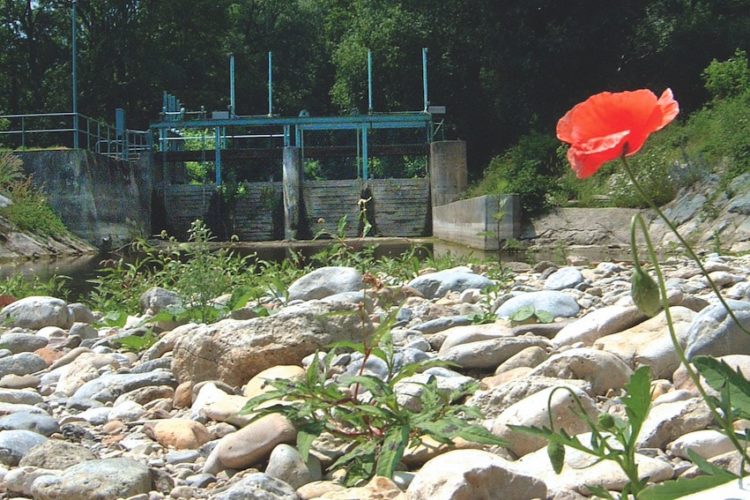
(544, 316)
(392, 450)
(707, 467)
(115, 319)
(669, 490)
(372, 384)
(306, 434)
(477, 434)
(638, 398)
(254, 402)
(718, 374)
(522, 314)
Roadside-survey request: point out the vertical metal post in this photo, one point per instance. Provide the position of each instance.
(88, 134)
(270, 83)
(74, 70)
(23, 134)
(217, 156)
(424, 78)
(231, 86)
(365, 163)
(287, 139)
(369, 81)
(358, 160)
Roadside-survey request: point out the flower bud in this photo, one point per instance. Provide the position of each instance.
(606, 421)
(556, 453)
(645, 292)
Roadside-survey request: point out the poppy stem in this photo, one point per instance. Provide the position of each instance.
(724, 423)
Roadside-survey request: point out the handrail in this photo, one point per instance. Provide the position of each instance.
(97, 135)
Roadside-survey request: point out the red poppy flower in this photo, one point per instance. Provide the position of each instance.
(605, 126)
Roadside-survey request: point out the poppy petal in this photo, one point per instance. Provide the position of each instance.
(607, 125)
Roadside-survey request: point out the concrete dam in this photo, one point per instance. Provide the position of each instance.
(104, 198)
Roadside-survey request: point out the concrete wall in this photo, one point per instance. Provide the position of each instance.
(401, 207)
(255, 217)
(448, 171)
(396, 207)
(480, 222)
(95, 196)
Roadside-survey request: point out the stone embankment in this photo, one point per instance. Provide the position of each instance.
(81, 418)
(710, 214)
(20, 245)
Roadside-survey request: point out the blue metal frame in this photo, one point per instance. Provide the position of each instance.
(174, 117)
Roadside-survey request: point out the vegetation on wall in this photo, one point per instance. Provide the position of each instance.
(28, 209)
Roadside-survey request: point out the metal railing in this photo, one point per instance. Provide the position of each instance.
(58, 130)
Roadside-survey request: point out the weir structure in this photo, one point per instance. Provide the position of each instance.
(391, 207)
(285, 206)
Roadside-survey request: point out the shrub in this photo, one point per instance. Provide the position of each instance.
(30, 211)
(10, 170)
(529, 169)
(729, 78)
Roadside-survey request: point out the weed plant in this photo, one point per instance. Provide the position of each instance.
(20, 286)
(364, 410)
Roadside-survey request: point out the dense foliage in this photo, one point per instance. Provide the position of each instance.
(501, 68)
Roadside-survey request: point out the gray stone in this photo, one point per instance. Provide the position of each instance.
(714, 333)
(259, 486)
(496, 400)
(96, 416)
(528, 358)
(154, 364)
(14, 445)
(535, 410)
(108, 478)
(668, 421)
(490, 353)
(10, 408)
(182, 456)
(558, 304)
(18, 342)
(37, 312)
(19, 480)
(597, 324)
(57, 454)
(473, 474)
(35, 422)
(157, 299)
(435, 285)
(24, 363)
(20, 396)
(233, 351)
(602, 369)
(326, 281)
(286, 464)
(81, 313)
(566, 277)
(440, 324)
(110, 386)
(84, 330)
(473, 333)
(358, 297)
(740, 204)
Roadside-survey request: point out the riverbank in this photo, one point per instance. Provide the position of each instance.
(164, 419)
(16, 245)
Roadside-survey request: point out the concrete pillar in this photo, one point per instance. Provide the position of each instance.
(292, 180)
(448, 172)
